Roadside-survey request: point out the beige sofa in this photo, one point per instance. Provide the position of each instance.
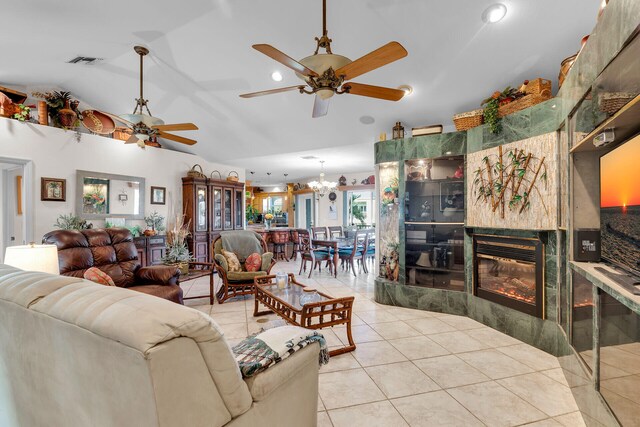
(74, 353)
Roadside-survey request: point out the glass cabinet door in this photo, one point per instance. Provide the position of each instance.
(201, 208)
(238, 209)
(228, 209)
(217, 208)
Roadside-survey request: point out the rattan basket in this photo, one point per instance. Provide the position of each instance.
(611, 103)
(193, 173)
(468, 120)
(232, 178)
(538, 90)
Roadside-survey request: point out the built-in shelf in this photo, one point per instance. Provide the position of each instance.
(357, 187)
(437, 269)
(624, 123)
(421, 181)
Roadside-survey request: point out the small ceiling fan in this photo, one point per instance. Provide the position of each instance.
(145, 126)
(325, 74)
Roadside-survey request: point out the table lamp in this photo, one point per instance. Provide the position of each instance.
(33, 257)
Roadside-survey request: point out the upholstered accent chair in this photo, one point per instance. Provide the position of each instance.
(112, 251)
(242, 243)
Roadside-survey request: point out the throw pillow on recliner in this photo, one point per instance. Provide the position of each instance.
(232, 261)
(98, 276)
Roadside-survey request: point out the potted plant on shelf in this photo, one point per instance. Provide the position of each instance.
(493, 103)
(63, 109)
(177, 252)
(23, 113)
(154, 224)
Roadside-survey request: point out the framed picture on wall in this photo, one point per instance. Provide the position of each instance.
(53, 189)
(158, 195)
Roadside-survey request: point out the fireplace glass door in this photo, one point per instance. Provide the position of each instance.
(510, 271)
(508, 277)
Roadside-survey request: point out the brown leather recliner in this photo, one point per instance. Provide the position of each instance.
(112, 250)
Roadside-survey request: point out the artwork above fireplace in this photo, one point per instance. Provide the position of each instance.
(510, 271)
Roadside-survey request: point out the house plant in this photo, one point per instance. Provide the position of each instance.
(22, 115)
(177, 251)
(72, 222)
(493, 103)
(63, 109)
(251, 214)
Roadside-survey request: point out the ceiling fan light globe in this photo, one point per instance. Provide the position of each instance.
(325, 93)
(321, 63)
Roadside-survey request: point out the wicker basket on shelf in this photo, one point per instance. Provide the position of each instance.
(468, 120)
(611, 103)
(537, 91)
(193, 173)
(232, 178)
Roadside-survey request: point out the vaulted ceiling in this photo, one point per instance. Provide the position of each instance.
(201, 60)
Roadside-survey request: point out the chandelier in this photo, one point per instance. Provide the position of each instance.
(322, 186)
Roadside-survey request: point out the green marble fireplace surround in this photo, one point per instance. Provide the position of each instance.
(618, 25)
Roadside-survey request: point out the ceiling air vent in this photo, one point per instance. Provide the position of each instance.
(87, 60)
(308, 157)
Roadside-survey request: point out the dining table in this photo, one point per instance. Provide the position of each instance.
(334, 245)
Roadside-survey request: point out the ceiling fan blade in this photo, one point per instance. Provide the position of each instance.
(176, 126)
(180, 139)
(284, 59)
(384, 55)
(132, 140)
(373, 91)
(320, 107)
(269, 92)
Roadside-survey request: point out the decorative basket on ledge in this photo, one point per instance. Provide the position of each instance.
(215, 171)
(468, 120)
(537, 91)
(611, 103)
(193, 173)
(232, 178)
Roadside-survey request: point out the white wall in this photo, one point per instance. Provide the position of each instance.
(56, 153)
(322, 203)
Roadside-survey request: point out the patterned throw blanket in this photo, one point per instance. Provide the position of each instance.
(257, 352)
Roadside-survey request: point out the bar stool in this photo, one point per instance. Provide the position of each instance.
(296, 244)
(280, 238)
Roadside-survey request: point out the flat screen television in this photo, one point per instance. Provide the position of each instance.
(620, 206)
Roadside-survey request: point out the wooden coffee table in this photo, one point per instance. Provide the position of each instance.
(325, 312)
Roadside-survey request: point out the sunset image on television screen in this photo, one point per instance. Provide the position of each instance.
(620, 176)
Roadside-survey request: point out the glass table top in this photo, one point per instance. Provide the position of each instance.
(294, 295)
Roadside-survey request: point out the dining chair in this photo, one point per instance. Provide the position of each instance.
(349, 256)
(335, 231)
(319, 233)
(308, 253)
(370, 252)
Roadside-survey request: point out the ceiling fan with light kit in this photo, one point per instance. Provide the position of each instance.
(326, 74)
(146, 127)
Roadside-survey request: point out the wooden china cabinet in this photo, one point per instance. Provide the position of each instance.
(211, 206)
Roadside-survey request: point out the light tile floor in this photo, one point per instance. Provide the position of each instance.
(414, 367)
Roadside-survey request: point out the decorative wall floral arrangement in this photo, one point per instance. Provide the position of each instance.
(510, 180)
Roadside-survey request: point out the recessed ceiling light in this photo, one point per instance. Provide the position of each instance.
(408, 90)
(494, 13)
(276, 76)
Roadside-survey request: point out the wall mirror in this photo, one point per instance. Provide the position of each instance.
(99, 195)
